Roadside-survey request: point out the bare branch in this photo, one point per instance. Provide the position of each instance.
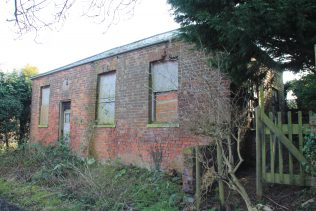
(212, 112)
(35, 15)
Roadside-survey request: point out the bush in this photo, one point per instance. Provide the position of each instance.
(309, 152)
(37, 163)
(94, 186)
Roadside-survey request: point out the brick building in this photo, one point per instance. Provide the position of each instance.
(128, 103)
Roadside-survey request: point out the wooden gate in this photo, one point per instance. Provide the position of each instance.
(279, 146)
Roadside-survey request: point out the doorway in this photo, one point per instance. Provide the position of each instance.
(64, 132)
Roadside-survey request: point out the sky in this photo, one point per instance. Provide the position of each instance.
(79, 37)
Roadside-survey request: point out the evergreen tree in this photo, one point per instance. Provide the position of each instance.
(10, 106)
(15, 101)
(278, 34)
(305, 92)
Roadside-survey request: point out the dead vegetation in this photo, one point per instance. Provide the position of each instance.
(86, 183)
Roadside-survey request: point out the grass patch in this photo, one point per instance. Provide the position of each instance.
(52, 178)
(33, 197)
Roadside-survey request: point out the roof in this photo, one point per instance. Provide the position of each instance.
(156, 39)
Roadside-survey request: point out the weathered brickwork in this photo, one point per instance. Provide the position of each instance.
(167, 107)
(274, 91)
(131, 140)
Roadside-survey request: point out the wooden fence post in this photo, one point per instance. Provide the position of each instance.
(258, 154)
(220, 171)
(197, 178)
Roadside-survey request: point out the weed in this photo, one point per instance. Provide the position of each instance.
(34, 197)
(309, 151)
(90, 185)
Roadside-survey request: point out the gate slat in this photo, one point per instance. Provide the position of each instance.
(272, 158)
(289, 125)
(280, 137)
(259, 134)
(280, 148)
(264, 151)
(285, 141)
(301, 144)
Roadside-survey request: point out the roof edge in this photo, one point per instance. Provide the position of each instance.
(152, 40)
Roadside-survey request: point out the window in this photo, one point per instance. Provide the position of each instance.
(45, 91)
(164, 95)
(106, 99)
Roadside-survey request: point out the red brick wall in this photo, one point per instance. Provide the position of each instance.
(131, 141)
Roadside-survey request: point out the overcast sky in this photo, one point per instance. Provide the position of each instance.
(80, 37)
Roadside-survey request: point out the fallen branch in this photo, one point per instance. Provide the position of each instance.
(274, 202)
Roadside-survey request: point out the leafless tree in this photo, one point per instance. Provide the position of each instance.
(207, 107)
(214, 111)
(35, 15)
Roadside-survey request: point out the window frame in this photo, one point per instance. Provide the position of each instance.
(152, 120)
(112, 124)
(41, 124)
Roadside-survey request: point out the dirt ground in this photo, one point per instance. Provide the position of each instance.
(279, 197)
(276, 197)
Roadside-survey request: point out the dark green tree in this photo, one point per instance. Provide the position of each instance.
(25, 85)
(277, 34)
(10, 107)
(15, 95)
(305, 91)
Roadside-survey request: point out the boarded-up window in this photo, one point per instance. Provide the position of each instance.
(106, 99)
(164, 86)
(45, 91)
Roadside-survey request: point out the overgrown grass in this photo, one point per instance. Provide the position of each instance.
(84, 184)
(33, 197)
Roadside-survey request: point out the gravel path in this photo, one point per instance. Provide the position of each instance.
(5, 206)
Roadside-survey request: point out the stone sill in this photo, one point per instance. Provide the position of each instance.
(162, 125)
(43, 126)
(105, 126)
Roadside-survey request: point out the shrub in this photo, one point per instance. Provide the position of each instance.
(309, 151)
(110, 186)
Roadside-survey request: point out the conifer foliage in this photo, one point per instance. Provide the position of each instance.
(278, 34)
